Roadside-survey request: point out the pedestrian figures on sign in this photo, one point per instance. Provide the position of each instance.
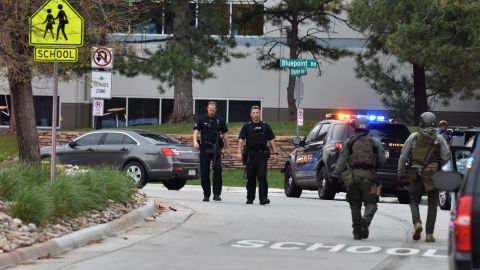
(50, 21)
(62, 20)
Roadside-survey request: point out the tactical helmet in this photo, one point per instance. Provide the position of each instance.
(427, 119)
(361, 123)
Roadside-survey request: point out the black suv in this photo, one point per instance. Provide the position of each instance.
(464, 235)
(313, 160)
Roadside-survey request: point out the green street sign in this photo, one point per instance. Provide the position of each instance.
(298, 72)
(298, 63)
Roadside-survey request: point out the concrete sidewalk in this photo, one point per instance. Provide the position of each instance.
(76, 239)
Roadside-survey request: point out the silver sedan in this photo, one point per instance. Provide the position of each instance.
(144, 155)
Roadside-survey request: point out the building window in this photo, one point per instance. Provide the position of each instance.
(5, 110)
(43, 110)
(201, 107)
(167, 109)
(114, 112)
(143, 111)
(239, 110)
(234, 19)
(247, 20)
(42, 106)
(210, 21)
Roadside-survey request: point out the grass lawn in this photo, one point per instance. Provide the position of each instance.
(234, 178)
(8, 146)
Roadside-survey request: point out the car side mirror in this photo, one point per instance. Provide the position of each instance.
(296, 141)
(72, 144)
(449, 181)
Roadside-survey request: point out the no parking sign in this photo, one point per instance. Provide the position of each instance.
(98, 107)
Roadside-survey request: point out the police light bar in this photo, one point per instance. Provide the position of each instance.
(344, 116)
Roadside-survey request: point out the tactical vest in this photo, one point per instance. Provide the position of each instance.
(212, 132)
(426, 147)
(363, 152)
(256, 137)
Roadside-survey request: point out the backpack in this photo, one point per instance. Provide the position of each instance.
(425, 147)
(363, 152)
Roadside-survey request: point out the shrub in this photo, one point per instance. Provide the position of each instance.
(34, 198)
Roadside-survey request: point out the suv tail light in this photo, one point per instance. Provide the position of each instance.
(338, 146)
(463, 224)
(170, 152)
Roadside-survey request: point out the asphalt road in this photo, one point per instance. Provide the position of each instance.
(303, 233)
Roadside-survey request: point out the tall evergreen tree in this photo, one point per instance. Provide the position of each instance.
(287, 16)
(189, 53)
(437, 39)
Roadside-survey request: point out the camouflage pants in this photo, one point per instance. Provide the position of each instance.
(416, 190)
(363, 190)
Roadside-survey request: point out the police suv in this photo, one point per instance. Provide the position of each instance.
(313, 160)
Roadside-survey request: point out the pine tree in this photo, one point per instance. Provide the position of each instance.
(437, 39)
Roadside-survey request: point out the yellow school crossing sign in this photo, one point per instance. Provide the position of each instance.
(56, 23)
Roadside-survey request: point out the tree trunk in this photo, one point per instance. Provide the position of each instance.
(292, 38)
(419, 91)
(183, 97)
(20, 81)
(22, 99)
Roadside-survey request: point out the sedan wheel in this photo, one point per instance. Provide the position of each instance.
(136, 172)
(175, 184)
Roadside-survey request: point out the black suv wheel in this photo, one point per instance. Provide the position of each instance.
(326, 189)
(444, 200)
(291, 189)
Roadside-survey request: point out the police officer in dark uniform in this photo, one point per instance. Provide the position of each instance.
(258, 136)
(363, 154)
(213, 138)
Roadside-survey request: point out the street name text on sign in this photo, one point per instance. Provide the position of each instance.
(102, 58)
(98, 107)
(298, 63)
(298, 72)
(56, 23)
(101, 85)
(43, 54)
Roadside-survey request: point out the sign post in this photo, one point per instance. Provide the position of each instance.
(56, 30)
(298, 68)
(101, 82)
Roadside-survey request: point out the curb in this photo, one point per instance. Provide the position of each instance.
(76, 239)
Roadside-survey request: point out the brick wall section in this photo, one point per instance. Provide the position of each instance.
(284, 147)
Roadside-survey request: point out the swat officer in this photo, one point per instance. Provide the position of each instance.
(426, 151)
(258, 135)
(213, 138)
(363, 154)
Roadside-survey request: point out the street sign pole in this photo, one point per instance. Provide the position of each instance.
(298, 97)
(54, 122)
(59, 48)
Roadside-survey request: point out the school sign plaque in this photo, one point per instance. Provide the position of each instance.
(56, 23)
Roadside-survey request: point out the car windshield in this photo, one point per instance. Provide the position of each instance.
(157, 138)
(395, 132)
